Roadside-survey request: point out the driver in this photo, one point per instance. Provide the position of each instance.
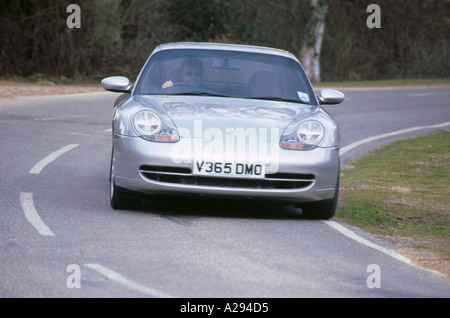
(191, 73)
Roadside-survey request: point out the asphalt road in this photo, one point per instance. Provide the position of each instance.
(60, 238)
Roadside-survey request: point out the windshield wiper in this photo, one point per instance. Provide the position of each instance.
(280, 99)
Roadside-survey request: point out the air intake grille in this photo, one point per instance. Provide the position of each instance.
(183, 175)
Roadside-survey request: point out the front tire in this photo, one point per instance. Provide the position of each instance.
(320, 211)
(323, 210)
(119, 198)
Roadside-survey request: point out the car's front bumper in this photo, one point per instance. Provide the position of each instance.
(136, 162)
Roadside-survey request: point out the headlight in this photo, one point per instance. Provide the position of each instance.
(147, 123)
(310, 132)
(149, 126)
(307, 136)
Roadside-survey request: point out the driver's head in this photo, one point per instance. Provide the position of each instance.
(191, 72)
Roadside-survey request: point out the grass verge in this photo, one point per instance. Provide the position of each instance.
(402, 192)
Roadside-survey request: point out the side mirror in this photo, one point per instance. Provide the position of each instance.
(117, 84)
(331, 96)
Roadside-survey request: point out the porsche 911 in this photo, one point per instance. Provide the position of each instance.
(224, 120)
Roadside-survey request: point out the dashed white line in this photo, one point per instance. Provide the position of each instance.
(50, 158)
(26, 200)
(110, 274)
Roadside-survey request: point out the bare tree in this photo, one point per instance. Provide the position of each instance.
(312, 42)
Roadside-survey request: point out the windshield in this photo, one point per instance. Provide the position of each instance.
(225, 73)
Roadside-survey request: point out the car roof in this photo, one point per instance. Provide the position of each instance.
(225, 47)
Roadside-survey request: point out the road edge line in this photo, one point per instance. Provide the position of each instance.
(356, 237)
(350, 234)
(358, 143)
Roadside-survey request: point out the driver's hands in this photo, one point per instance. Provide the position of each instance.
(167, 84)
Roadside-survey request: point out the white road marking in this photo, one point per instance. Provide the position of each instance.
(398, 132)
(126, 282)
(363, 241)
(26, 200)
(353, 235)
(50, 158)
(428, 94)
(359, 239)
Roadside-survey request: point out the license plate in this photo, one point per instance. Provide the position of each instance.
(229, 169)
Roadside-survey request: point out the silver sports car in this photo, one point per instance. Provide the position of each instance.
(224, 120)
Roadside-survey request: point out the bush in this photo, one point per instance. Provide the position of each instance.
(116, 36)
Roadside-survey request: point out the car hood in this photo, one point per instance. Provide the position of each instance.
(194, 114)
